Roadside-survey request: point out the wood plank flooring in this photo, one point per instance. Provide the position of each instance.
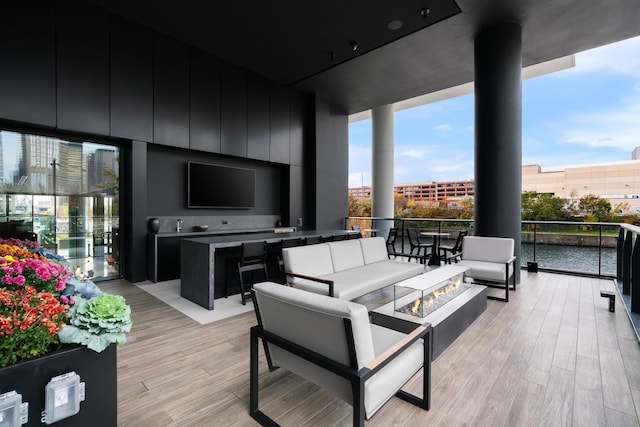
(553, 356)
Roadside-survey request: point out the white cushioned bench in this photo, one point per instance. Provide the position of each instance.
(346, 269)
(490, 259)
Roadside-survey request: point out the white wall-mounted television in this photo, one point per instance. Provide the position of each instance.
(220, 187)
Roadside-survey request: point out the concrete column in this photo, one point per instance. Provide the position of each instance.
(498, 132)
(382, 156)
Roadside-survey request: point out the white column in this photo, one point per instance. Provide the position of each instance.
(382, 145)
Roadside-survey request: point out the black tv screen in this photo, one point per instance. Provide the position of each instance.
(217, 186)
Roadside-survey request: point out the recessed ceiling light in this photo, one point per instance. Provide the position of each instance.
(396, 24)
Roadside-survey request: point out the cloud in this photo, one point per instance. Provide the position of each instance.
(443, 127)
(617, 58)
(616, 127)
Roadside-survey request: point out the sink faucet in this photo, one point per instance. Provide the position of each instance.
(179, 225)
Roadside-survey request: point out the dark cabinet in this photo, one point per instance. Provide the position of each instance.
(234, 110)
(205, 102)
(131, 81)
(257, 117)
(171, 92)
(82, 67)
(27, 73)
(279, 141)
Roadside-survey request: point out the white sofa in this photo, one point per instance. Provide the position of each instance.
(346, 269)
(491, 261)
(332, 343)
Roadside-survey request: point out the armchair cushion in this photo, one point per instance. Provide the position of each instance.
(489, 249)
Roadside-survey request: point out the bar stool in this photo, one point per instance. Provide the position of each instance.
(253, 257)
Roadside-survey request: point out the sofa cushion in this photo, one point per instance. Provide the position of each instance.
(490, 249)
(355, 282)
(312, 260)
(346, 254)
(374, 249)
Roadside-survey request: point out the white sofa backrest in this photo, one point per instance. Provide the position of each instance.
(488, 249)
(374, 249)
(312, 260)
(346, 254)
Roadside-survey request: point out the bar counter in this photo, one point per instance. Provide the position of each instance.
(203, 261)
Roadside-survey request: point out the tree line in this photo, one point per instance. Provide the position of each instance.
(535, 207)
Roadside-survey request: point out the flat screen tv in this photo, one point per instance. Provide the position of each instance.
(221, 187)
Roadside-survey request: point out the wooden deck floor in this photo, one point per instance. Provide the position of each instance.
(554, 356)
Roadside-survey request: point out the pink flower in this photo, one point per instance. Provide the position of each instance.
(43, 273)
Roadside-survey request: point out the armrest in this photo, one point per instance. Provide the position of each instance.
(314, 279)
(510, 260)
(398, 347)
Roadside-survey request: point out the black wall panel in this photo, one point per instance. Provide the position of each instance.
(205, 102)
(83, 67)
(27, 70)
(257, 117)
(331, 166)
(171, 92)
(279, 149)
(167, 183)
(131, 81)
(234, 110)
(296, 128)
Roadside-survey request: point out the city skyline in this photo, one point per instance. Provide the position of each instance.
(586, 114)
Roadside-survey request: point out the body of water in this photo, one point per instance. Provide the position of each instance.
(569, 258)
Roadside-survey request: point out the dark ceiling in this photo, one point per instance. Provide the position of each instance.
(308, 45)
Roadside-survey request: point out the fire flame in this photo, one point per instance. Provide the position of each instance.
(430, 298)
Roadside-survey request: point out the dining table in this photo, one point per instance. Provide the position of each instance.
(437, 235)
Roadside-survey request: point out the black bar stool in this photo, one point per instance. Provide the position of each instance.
(253, 257)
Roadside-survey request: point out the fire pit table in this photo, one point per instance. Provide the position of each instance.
(440, 297)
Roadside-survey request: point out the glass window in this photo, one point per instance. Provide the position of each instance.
(67, 193)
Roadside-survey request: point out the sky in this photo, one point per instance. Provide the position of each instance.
(586, 114)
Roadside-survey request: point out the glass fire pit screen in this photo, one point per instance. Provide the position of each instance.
(429, 300)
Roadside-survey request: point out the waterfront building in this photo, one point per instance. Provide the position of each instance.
(618, 182)
(448, 191)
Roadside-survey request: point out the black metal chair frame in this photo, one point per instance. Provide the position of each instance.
(391, 246)
(251, 260)
(501, 285)
(455, 250)
(357, 377)
(416, 245)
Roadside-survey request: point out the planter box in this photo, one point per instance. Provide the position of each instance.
(97, 370)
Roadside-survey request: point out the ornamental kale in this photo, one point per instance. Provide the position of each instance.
(98, 322)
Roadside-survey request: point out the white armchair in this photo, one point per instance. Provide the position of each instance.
(491, 262)
(331, 343)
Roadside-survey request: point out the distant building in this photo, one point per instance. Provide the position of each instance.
(618, 182)
(450, 191)
(635, 154)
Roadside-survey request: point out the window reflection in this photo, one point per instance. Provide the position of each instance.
(64, 191)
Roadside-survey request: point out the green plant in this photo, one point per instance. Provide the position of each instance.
(98, 322)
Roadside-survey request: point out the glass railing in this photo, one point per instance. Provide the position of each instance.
(583, 248)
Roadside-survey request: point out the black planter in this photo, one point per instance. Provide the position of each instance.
(98, 371)
(154, 225)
